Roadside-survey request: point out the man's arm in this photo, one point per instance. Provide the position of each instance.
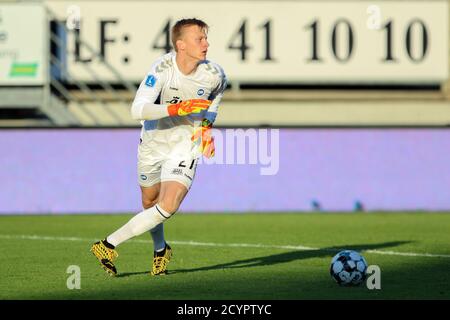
(144, 107)
(216, 98)
(202, 135)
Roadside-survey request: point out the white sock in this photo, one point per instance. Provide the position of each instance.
(157, 233)
(140, 223)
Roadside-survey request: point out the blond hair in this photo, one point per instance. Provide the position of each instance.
(177, 29)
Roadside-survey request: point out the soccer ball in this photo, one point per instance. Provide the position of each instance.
(348, 268)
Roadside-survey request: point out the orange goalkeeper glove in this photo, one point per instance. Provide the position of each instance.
(187, 107)
(203, 139)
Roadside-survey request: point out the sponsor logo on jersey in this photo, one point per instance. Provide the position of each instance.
(200, 92)
(143, 177)
(174, 100)
(177, 171)
(150, 81)
(173, 88)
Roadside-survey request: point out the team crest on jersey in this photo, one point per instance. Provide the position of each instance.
(150, 81)
(200, 92)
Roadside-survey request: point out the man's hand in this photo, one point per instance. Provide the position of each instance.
(187, 107)
(203, 139)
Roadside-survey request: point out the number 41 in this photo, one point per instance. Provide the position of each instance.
(239, 41)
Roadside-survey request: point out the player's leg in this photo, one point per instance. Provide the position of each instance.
(149, 173)
(176, 180)
(151, 216)
(149, 195)
(142, 222)
(149, 199)
(171, 195)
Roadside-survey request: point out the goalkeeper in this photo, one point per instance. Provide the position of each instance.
(177, 103)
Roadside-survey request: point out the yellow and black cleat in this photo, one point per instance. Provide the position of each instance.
(105, 256)
(160, 261)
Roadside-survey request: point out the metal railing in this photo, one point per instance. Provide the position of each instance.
(63, 85)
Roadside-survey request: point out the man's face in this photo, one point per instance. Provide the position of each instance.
(194, 42)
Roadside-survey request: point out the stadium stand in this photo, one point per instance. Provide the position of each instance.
(101, 103)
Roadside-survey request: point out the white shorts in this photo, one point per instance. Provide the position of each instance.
(157, 162)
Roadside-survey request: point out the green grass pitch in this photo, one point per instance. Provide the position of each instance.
(229, 256)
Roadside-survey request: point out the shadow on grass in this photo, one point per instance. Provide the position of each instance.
(282, 257)
(402, 278)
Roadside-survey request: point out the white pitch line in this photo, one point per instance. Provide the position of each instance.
(229, 245)
(408, 254)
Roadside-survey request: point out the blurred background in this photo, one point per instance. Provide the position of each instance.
(355, 95)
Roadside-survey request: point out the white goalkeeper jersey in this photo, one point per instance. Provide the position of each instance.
(165, 84)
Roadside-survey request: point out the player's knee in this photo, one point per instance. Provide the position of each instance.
(148, 203)
(169, 206)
